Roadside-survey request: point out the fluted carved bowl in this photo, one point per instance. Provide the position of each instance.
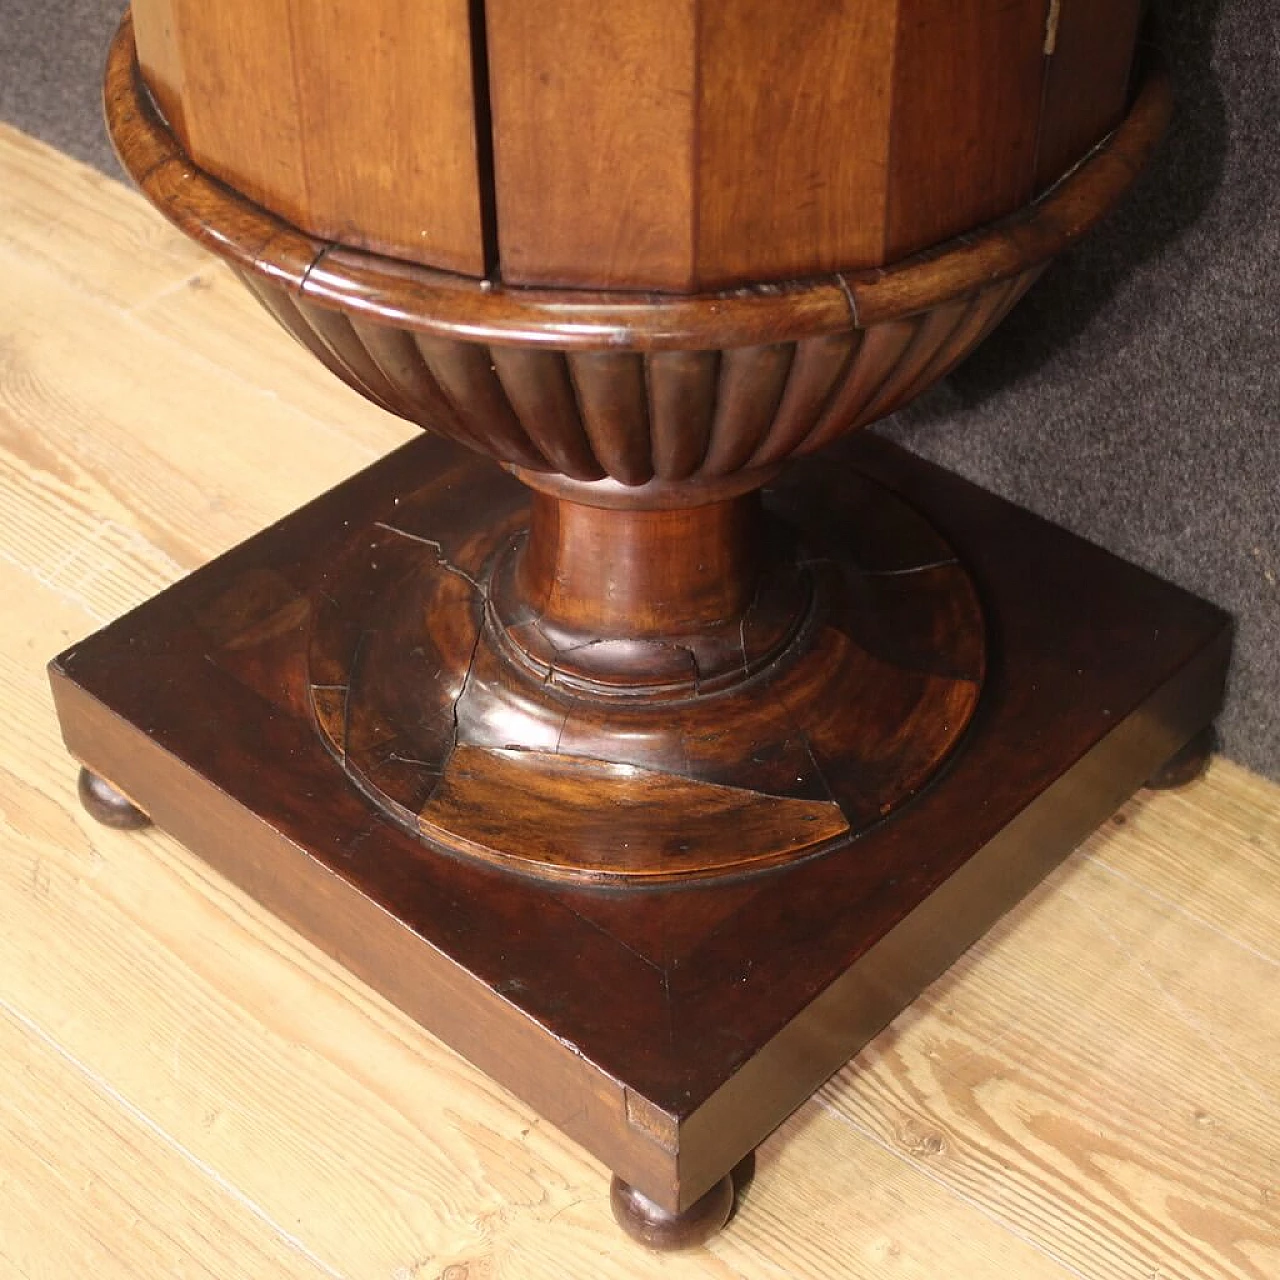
(668, 397)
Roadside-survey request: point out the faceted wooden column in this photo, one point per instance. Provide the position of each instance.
(316, 111)
(696, 144)
(675, 144)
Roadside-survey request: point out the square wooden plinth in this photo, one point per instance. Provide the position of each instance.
(667, 1030)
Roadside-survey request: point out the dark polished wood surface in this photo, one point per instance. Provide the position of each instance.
(648, 1223)
(107, 805)
(694, 421)
(666, 1029)
(601, 695)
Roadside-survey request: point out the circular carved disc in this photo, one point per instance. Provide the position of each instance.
(415, 694)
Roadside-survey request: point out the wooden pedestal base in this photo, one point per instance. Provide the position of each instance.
(382, 800)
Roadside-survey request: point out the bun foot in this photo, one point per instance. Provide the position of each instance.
(1186, 765)
(656, 1228)
(109, 806)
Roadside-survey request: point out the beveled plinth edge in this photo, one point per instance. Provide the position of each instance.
(439, 302)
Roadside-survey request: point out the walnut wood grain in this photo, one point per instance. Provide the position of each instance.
(682, 399)
(612, 390)
(237, 67)
(792, 183)
(612, 575)
(537, 386)
(1089, 52)
(353, 122)
(469, 379)
(156, 30)
(673, 170)
(594, 142)
(967, 89)
(1005, 1091)
(416, 297)
(595, 819)
(467, 725)
(902, 123)
(649, 696)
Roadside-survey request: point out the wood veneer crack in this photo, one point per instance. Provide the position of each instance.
(442, 560)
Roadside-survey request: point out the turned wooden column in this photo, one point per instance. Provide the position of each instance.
(656, 604)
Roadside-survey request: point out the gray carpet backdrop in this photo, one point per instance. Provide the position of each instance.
(1133, 397)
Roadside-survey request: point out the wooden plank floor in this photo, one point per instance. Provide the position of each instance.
(188, 1089)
